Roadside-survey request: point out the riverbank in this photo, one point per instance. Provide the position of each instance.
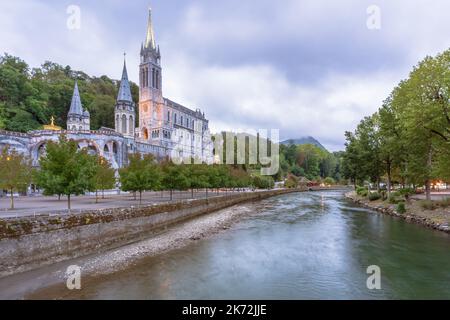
(31, 242)
(49, 281)
(438, 219)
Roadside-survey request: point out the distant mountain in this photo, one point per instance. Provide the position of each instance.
(304, 140)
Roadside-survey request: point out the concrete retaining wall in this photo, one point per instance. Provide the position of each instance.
(32, 242)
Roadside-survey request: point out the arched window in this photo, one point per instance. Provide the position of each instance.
(117, 123)
(124, 123)
(131, 125)
(175, 118)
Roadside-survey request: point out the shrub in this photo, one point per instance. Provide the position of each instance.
(406, 192)
(360, 190)
(383, 195)
(393, 199)
(444, 203)
(374, 196)
(291, 182)
(329, 181)
(263, 182)
(401, 208)
(428, 205)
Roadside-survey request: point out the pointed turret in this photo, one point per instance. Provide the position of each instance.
(150, 38)
(124, 90)
(75, 106)
(77, 118)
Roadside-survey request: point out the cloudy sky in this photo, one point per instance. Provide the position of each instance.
(306, 67)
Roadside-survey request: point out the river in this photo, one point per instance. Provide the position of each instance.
(313, 245)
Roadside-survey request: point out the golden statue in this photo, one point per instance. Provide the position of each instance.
(52, 125)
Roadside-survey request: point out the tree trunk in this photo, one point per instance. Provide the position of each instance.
(428, 181)
(388, 170)
(96, 196)
(68, 202)
(206, 193)
(59, 197)
(103, 193)
(140, 197)
(171, 194)
(192, 193)
(12, 199)
(134, 194)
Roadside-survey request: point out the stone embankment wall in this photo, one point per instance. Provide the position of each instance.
(31, 242)
(408, 217)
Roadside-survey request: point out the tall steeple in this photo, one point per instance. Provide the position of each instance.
(125, 112)
(150, 38)
(75, 106)
(124, 89)
(77, 118)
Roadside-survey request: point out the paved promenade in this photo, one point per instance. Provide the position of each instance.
(35, 205)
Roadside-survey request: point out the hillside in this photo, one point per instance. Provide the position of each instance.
(304, 140)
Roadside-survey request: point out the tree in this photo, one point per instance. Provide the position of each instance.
(15, 172)
(175, 177)
(66, 170)
(199, 177)
(104, 177)
(141, 174)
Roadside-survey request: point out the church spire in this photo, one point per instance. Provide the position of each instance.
(124, 90)
(150, 38)
(75, 106)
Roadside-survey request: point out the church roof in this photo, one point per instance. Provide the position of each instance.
(150, 38)
(75, 106)
(124, 89)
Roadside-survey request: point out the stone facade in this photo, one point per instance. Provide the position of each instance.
(166, 128)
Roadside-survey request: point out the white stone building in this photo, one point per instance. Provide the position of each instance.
(165, 128)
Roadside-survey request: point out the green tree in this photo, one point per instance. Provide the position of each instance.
(175, 177)
(141, 174)
(65, 170)
(15, 172)
(104, 177)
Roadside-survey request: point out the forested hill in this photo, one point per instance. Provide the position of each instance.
(29, 97)
(304, 140)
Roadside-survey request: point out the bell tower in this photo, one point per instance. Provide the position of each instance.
(151, 102)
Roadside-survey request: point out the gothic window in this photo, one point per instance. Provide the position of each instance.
(117, 123)
(181, 118)
(175, 118)
(153, 77)
(145, 77)
(131, 125)
(124, 124)
(168, 116)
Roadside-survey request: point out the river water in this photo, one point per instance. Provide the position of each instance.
(314, 245)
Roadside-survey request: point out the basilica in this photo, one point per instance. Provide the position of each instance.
(165, 128)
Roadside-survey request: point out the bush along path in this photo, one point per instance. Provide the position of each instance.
(435, 215)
